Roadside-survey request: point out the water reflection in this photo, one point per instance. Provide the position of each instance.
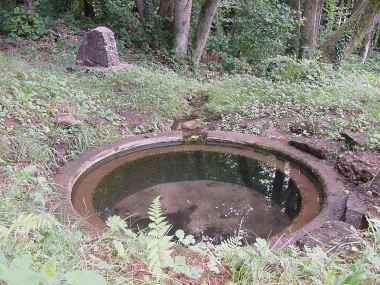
(275, 187)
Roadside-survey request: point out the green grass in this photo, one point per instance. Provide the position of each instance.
(31, 95)
(347, 99)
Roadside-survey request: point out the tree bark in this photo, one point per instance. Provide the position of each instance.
(310, 29)
(356, 5)
(140, 8)
(182, 26)
(367, 43)
(167, 9)
(339, 45)
(295, 5)
(206, 17)
(376, 42)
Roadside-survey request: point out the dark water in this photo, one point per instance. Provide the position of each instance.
(207, 194)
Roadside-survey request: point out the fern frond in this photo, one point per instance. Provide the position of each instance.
(231, 243)
(158, 226)
(26, 223)
(159, 244)
(116, 224)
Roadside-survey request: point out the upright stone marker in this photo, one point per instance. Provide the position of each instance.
(98, 48)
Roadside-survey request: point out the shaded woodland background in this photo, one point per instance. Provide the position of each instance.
(226, 32)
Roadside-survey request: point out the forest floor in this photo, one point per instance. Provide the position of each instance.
(51, 112)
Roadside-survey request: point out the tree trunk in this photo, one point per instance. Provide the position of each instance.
(295, 5)
(376, 42)
(367, 43)
(167, 9)
(310, 29)
(339, 45)
(182, 26)
(206, 17)
(294, 43)
(140, 8)
(366, 47)
(356, 4)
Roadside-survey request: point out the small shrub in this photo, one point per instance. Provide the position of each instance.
(287, 69)
(22, 23)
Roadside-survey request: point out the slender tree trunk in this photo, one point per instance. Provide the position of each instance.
(367, 43)
(339, 45)
(206, 17)
(167, 9)
(295, 5)
(356, 5)
(376, 37)
(366, 47)
(310, 29)
(140, 8)
(182, 26)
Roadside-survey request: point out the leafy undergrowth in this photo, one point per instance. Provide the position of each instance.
(106, 107)
(30, 255)
(32, 98)
(311, 96)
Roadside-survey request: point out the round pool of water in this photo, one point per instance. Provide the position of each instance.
(211, 191)
(234, 183)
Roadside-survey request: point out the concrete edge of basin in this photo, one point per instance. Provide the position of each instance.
(334, 196)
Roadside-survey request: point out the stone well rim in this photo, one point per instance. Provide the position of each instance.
(332, 189)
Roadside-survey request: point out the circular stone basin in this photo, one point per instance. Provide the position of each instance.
(232, 184)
